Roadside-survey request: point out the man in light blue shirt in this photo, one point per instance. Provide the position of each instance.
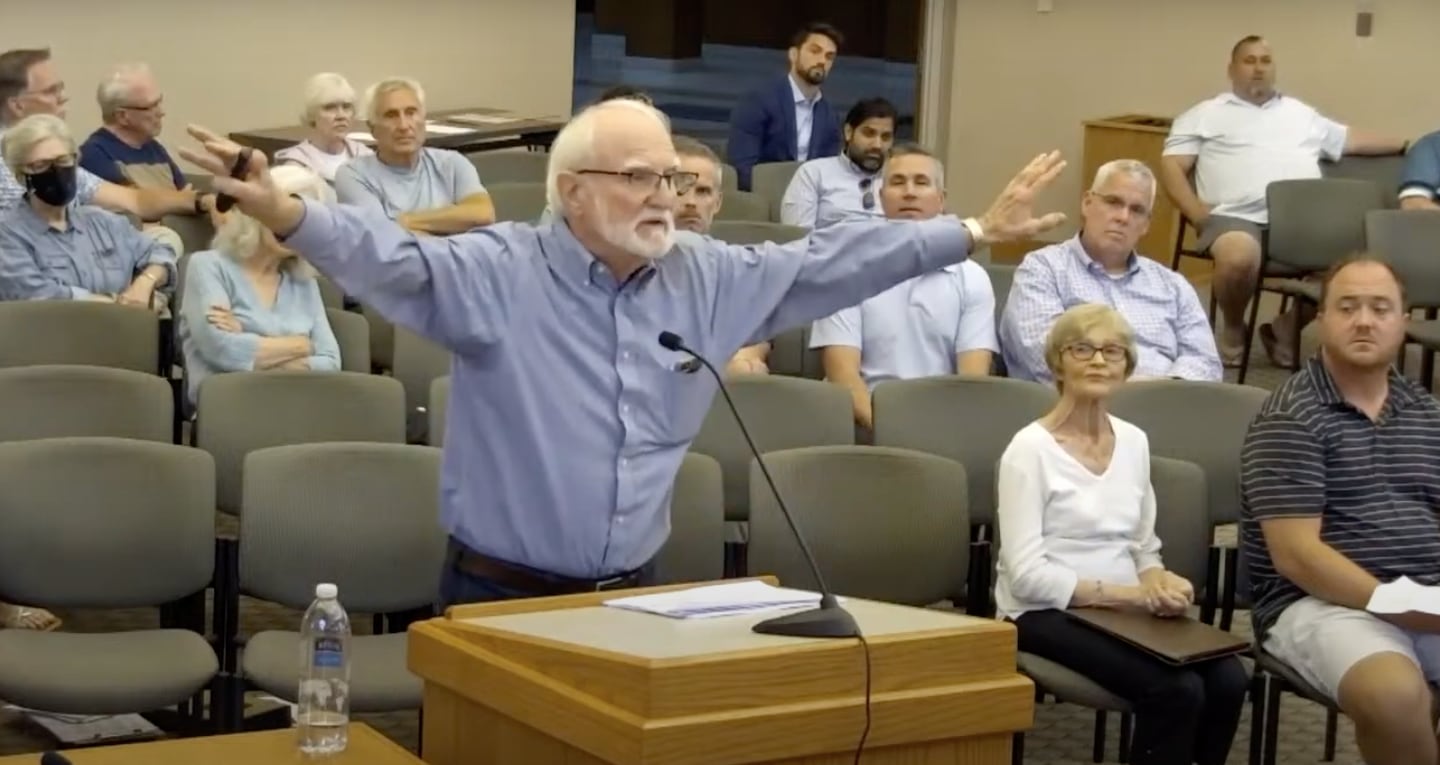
(568, 421)
(825, 190)
(940, 323)
(1100, 265)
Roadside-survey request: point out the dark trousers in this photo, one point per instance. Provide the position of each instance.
(458, 586)
(1183, 714)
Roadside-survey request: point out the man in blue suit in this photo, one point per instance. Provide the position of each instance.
(788, 119)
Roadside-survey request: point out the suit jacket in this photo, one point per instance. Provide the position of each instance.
(762, 129)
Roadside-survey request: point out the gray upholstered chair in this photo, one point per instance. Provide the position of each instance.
(418, 362)
(884, 524)
(330, 294)
(382, 339)
(79, 332)
(743, 205)
(1410, 241)
(695, 551)
(439, 405)
(105, 523)
(770, 179)
(524, 202)
(352, 334)
(364, 517)
(240, 412)
(54, 401)
(754, 232)
(791, 354)
(497, 167)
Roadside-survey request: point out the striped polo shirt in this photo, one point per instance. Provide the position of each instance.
(1375, 484)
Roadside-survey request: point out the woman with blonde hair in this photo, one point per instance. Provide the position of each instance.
(250, 303)
(329, 113)
(1077, 529)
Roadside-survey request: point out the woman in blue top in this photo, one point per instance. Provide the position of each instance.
(250, 304)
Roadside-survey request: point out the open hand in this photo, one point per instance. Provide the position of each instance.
(251, 186)
(1012, 215)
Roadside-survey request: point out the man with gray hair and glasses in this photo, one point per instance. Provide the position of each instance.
(1100, 265)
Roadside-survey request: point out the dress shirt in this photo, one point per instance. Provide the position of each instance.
(98, 252)
(12, 190)
(825, 190)
(1172, 334)
(918, 327)
(804, 119)
(567, 421)
(1060, 523)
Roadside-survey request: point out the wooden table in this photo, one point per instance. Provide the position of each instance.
(529, 132)
(367, 747)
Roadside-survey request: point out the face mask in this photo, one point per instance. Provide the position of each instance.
(55, 187)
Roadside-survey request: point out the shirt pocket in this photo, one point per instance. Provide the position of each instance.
(105, 253)
(689, 392)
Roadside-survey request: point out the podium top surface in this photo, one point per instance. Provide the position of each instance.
(653, 637)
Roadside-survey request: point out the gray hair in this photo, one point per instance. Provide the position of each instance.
(326, 88)
(240, 236)
(30, 132)
(686, 146)
(916, 150)
(375, 92)
(574, 146)
(1131, 167)
(114, 91)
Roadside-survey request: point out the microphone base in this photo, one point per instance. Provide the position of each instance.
(822, 622)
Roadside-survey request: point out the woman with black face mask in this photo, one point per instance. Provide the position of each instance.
(53, 249)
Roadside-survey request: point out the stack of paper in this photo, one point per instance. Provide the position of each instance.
(440, 128)
(1403, 596)
(730, 599)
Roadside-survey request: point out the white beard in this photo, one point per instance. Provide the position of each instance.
(627, 236)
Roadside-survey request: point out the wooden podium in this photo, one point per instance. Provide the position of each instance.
(568, 680)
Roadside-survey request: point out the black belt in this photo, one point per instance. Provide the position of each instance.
(516, 577)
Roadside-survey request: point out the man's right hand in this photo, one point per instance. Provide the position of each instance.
(251, 187)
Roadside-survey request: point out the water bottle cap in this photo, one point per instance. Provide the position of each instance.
(326, 591)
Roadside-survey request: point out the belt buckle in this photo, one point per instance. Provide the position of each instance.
(611, 583)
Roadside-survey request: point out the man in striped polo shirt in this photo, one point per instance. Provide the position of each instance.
(1340, 483)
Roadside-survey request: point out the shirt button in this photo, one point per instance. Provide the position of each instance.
(625, 355)
(624, 462)
(625, 408)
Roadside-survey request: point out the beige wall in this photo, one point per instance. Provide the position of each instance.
(1022, 82)
(237, 65)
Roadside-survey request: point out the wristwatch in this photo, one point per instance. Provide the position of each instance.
(977, 233)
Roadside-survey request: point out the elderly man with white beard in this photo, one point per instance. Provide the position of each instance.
(568, 421)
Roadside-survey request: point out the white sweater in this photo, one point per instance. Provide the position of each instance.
(1059, 523)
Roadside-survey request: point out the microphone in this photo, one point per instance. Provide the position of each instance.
(827, 621)
(54, 758)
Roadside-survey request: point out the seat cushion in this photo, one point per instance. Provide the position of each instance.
(1276, 668)
(1068, 685)
(379, 679)
(1426, 333)
(103, 673)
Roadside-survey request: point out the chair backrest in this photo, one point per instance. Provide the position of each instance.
(885, 524)
(418, 362)
(509, 166)
(1317, 221)
(695, 550)
(1001, 277)
(517, 201)
(770, 179)
(105, 522)
(365, 517)
(439, 405)
(1385, 172)
(79, 332)
(743, 205)
(382, 338)
(56, 401)
(791, 354)
(1182, 518)
(1410, 241)
(754, 232)
(1199, 422)
(330, 293)
(967, 419)
(195, 231)
(780, 413)
(352, 333)
(240, 412)
(729, 176)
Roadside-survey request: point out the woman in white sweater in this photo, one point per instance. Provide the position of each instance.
(1077, 528)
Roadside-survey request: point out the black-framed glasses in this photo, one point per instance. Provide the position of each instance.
(649, 180)
(867, 196)
(1087, 351)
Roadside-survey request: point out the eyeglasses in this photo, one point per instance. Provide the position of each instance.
(649, 180)
(144, 107)
(1086, 351)
(867, 197)
(44, 165)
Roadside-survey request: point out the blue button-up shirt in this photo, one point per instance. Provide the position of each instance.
(98, 252)
(567, 420)
(1172, 334)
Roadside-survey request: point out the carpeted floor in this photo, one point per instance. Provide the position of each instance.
(1062, 733)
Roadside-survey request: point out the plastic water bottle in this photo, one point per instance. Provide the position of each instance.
(322, 709)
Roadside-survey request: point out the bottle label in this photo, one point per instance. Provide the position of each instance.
(329, 652)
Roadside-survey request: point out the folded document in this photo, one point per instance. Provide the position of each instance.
(730, 599)
(1402, 596)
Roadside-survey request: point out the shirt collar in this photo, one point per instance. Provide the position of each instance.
(573, 262)
(798, 94)
(1401, 396)
(1077, 250)
(1230, 97)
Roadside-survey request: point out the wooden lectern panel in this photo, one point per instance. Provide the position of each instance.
(567, 680)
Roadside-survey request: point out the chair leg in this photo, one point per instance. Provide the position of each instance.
(1252, 323)
(1232, 583)
(1259, 690)
(1126, 721)
(1099, 748)
(1017, 748)
(1427, 368)
(1272, 721)
(1212, 585)
(1332, 721)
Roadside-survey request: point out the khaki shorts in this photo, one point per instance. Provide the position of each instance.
(1217, 225)
(1322, 641)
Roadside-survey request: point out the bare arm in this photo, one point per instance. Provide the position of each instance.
(1314, 566)
(1418, 203)
(974, 363)
(145, 204)
(1365, 143)
(1175, 172)
(283, 352)
(842, 367)
(471, 212)
(750, 360)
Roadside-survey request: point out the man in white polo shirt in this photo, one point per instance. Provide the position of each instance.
(1236, 144)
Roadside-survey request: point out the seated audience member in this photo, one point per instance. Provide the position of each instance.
(1340, 481)
(1100, 265)
(788, 118)
(251, 304)
(825, 190)
(942, 323)
(30, 85)
(1236, 144)
(1076, 514)
(53, 249)
(329, 114)
(428, 191)
(1420, 183)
